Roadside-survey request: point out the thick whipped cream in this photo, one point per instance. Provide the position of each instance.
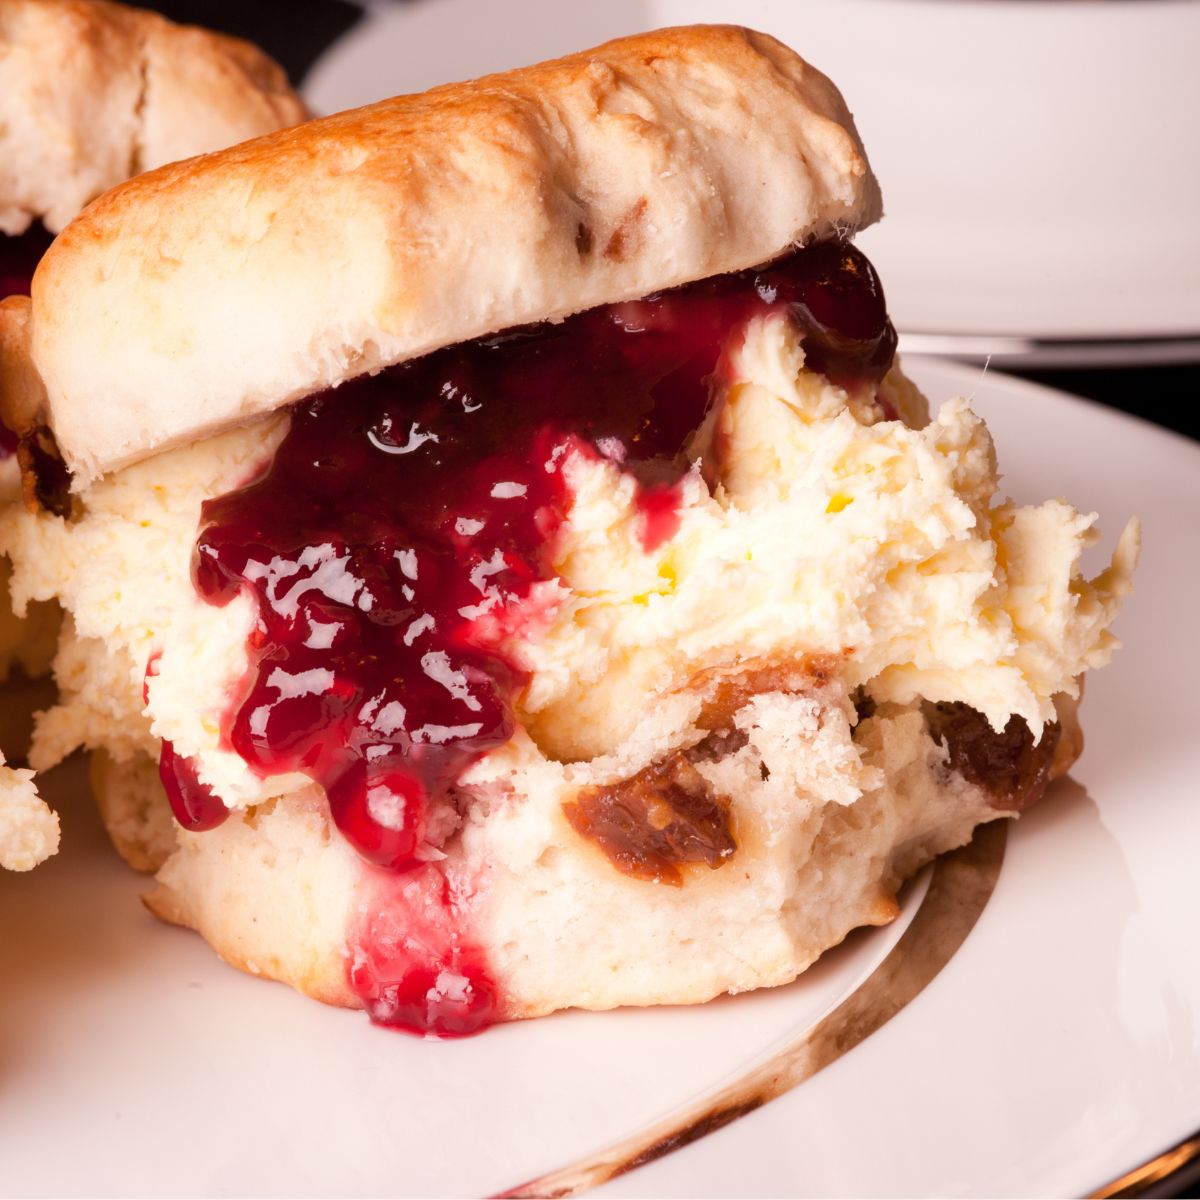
(807, 524)
(823, 532)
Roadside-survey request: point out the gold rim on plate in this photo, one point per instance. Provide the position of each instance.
(959, 889)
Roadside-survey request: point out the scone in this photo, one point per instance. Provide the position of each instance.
(91, 93)
(28, 827)
(501, 517)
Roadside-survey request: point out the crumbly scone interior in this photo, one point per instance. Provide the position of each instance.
(29, 829)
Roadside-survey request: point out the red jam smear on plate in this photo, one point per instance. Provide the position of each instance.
(399, 536)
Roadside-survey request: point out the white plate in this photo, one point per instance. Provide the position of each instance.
(1058, 1048)
(1040, 162)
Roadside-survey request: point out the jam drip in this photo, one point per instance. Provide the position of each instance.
(195, 805)
(399, 536)
(409, 963)
(19, 257)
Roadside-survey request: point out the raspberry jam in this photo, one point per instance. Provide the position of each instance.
(400, 535)
(411, 964)
(19, 257)
(195, 805)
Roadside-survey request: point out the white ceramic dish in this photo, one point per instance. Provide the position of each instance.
(1040, 162)
(1057, 1048)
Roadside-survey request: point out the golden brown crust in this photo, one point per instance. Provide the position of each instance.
(92, 92)
(214, 290)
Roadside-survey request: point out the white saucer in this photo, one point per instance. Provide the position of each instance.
(1040, 162)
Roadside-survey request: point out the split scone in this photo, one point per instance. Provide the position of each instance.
(498, 522)
(91, 93)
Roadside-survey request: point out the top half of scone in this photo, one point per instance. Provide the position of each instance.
(497, 425)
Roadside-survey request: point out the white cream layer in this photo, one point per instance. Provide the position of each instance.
(807, 525)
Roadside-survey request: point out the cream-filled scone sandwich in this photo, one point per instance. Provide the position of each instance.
(498, 523)
(90, 93)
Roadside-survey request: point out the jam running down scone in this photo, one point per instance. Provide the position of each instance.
(497, 518)
(90, 93)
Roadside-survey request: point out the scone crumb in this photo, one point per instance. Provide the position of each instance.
(28, 827)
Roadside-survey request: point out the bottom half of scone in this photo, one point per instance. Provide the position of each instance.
(746, 828)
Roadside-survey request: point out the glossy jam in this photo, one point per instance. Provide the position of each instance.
(19, 257)
(195, 805)
(400, 534)
(412, 963)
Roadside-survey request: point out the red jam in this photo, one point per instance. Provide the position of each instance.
(411, 964)
(195, 805)
(19, 257)
(401, 532)
(659, 508)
